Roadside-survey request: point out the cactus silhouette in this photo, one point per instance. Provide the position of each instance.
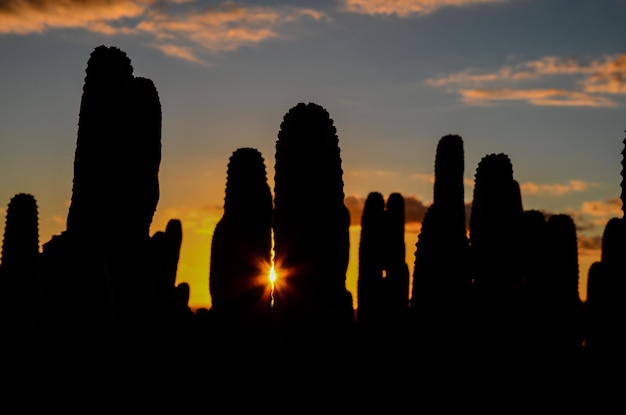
(241, 248)
(397, 270)
(495, 229)
(311, 224)
(623, 182)
(20, 249)
(371, 263)
(165, 251)
(605, 305)
(105, 251)
(440, 296)
(562, 318)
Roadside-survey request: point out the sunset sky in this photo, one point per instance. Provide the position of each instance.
(543, 81)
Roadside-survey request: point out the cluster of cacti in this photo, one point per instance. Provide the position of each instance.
(311, 223)
(383, 280)
(241, 248)
(18, 264)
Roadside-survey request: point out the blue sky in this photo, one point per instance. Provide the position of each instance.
(542, 81)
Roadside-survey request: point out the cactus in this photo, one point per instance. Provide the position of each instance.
(441, 282)
(562, 306)
(115, 189)
(241, 247)
(495, 225)
(20, 250)
(623, 182)
(165, 252)
(397, 270)
(311, 223)
(606, 286)
(495, 239)
(371, 262)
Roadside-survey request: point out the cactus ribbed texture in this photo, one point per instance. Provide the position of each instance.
(623, 182)
(20, 249)
(241, 247)
(311, 224)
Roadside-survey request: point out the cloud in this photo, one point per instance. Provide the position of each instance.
(180, 52)
(590, 79)
(530, 188)
(603, 208)
(537, 97)
(179, 28)
(406, 8)
(37, 16)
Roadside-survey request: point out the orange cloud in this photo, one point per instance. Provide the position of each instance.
(603, 208)
(179, 28)
(180, 52)
(538, 97)
(37, 16)
(530, 188)
(606, 75)
(406, 8)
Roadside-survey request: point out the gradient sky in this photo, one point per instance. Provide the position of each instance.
(543, 81)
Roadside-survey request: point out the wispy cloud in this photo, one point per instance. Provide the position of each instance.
(530, 188)
(406, 8)
(179, 28)
(591, 81)
(603, 208)
(37, 16)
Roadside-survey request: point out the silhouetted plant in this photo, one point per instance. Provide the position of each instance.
(440, 295)
(397, 270)
(115, 189)
(623, 182)
(562, 317)
(371, 262)
(241, 247)
(495, 228)
(605, 305)
(165, 251)
(311, 223)
(20, 249)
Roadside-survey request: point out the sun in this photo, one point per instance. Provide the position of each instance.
(272, 274)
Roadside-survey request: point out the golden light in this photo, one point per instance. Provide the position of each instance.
(272, 275)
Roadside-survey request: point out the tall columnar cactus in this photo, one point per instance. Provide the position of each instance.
(495, 229)
(118, 150)
(20, 250)
(311, 222)
(495, 225)
(114, 196)
(397, 270)
(371, 262)
(165, 252)
(563, 331)
(241, 247)
(605, 305)
(441, 281)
